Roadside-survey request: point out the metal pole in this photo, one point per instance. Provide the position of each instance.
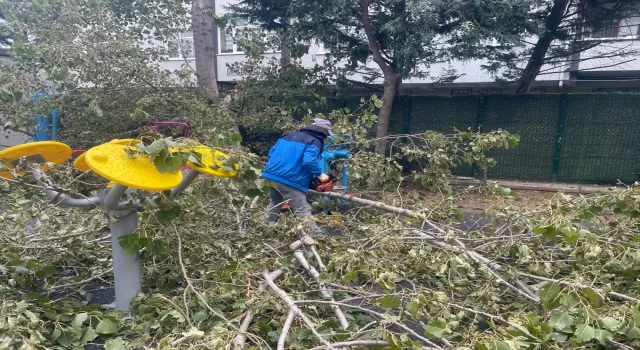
(562, 116)
(111, 202)
(186, 181)
(126, 268)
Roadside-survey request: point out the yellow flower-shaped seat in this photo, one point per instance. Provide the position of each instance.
(211, 163)
(81, 164)
(111, 162)
(35, 152)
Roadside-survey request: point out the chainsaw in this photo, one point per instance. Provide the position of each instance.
(317, 186)
(320, 186)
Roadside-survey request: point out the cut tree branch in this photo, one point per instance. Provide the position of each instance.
(294, 308)
(437, 242)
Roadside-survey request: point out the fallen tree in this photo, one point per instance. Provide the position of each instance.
(395, 277)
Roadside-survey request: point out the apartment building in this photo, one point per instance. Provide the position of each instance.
(598, 69)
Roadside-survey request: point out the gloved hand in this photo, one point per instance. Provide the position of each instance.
(323, 178)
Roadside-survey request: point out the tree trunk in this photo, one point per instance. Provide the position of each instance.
(391, 84)
(203, 37)
(285, 51)
(536, 60)
(391, 78)
(285, 44)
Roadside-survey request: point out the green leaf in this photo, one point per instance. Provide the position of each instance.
(548, 231)
(609, 323)
(79, 319)
(200, 316)
(549, 295)
(66, 338)
(89, 336)
(157, 147)
(115, 344)
(173, 164)
(159, 246)
(168, 212)
(145, 242)
(584, 333)
(493, 345)
(594, 298)
(560, 320)
(236, 137)
(107, 326)
(350, 277)
(435, 330)
(389, 302)
(46, 271)
(633, 333)
(602, 336)
(195, 158)
(160, 161)
(130, 243)
(570, 234)
(513, 140)
(413, 307)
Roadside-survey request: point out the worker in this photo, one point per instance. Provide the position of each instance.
(294, 161)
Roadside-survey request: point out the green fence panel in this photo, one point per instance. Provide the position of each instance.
(592, 138)
(534, 118)
(601, 141)
(442, 114)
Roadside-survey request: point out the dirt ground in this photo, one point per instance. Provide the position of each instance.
(521, 198)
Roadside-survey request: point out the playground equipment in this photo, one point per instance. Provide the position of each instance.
(110, 161)
(153, 126)
(339, 152)
(46, 127)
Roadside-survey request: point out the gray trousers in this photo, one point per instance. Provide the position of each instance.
(297, 199)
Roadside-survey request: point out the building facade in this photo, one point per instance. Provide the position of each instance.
(596, 70)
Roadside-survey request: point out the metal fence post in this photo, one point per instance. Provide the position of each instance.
(482, 102)
(564, 100)
(406, 124)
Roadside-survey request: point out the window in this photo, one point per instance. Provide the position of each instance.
(181, 46)
(227, 38)
(609, 31)
(626, 28)
(323, 50)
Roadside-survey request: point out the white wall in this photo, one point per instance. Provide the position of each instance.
(10, 138)
(595, 62)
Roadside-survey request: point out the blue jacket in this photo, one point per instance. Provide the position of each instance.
(296, 158)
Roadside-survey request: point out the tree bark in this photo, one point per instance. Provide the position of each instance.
(203, 37)
(391, 82)
(536, 60)
(285, 45)
(391, 85)
(285, 51)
